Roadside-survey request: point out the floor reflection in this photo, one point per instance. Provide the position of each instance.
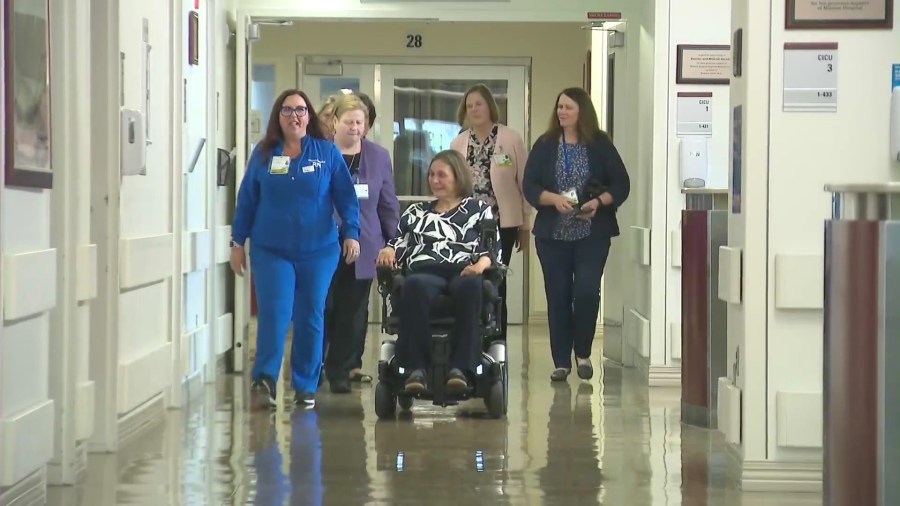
(608, 441)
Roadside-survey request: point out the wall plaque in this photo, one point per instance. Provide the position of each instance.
(703, 64)
(830, 14)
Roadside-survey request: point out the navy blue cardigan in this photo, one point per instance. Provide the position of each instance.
(606, 166)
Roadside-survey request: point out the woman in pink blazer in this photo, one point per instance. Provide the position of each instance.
(496, 156)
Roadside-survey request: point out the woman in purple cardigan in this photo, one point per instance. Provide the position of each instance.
(347, 311)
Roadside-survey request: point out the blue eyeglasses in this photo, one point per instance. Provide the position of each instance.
(301, 110)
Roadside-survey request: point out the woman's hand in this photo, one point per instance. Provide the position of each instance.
(238, 260)
(588, 210)
(522, 239)
(606, 198)
(477, 268)
(562, 204)
(386, 258)
(472, 270)
(351, 250)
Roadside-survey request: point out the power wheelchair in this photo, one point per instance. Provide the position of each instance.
(489, 381)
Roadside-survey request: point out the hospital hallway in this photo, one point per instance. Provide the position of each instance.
(608, 441)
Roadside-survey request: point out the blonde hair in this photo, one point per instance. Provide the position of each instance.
(488, 97)
(347, 103)
(328, 106)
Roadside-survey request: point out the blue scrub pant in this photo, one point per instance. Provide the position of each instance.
(284, 288)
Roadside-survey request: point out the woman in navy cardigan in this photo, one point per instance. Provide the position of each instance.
(347, 311)
(576, 180)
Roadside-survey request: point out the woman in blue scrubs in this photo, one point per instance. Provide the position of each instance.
(295, 180)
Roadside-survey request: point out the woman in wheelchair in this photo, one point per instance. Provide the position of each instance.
(440, 250)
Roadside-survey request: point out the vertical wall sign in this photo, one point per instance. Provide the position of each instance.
(810, 76)
(194, 38)
(737, 158)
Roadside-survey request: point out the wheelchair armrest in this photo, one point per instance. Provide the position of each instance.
(388, 279)
(495, 274)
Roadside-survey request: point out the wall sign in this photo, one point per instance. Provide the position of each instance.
(895, 76)
(703, 64)
(737, 157)
(810, 76)
(604, 15)
(694, 113)
(413, 40)
(830, 14)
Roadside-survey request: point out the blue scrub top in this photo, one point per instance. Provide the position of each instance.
(292, 213)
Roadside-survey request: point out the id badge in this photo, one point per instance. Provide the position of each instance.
(502, 159)
(308, 169)
(362, 190)
(280, 165)
(572, 196)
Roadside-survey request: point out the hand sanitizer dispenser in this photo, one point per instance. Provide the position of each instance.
(694, 162)
(133, 143)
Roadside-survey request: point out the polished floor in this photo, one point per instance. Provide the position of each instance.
(606, 441)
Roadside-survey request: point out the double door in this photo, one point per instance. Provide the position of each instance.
(416, 107)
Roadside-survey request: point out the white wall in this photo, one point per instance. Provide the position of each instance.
(223, 113)
(633, 286)
(788, 158)
(685, 28)
(26, 409)
(147, 242)
(70, 385)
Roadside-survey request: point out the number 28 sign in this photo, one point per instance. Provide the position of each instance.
(413, 41)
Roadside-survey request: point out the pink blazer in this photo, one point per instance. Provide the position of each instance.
(506, 181)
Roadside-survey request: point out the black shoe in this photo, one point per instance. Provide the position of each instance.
(585, 369)
(416, 381)
(560, 374)
(339, 385)
(306, 400)
(456, 382)
(262, 392)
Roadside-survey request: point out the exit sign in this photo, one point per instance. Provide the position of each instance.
(604, 15)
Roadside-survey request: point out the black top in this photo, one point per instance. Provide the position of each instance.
(605, 165)
(352, 162)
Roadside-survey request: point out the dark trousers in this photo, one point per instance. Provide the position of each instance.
(572, 273)
(346, 321)
(414, 333)
(507, 243)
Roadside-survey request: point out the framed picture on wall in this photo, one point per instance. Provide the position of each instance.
(586, 69)
(703, 64)
(194, 38)
(838, 14)
(26, 76)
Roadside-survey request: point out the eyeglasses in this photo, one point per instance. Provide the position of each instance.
(301, 110)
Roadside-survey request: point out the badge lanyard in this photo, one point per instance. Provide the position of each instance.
(565, 149)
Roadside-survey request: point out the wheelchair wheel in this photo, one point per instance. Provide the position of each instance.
(496, 400)
(405, 402)
(385, 400)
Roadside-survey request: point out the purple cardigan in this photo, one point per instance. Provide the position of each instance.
(379, 214)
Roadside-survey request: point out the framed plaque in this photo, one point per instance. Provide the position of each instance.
(703, 64)
(832, 14)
